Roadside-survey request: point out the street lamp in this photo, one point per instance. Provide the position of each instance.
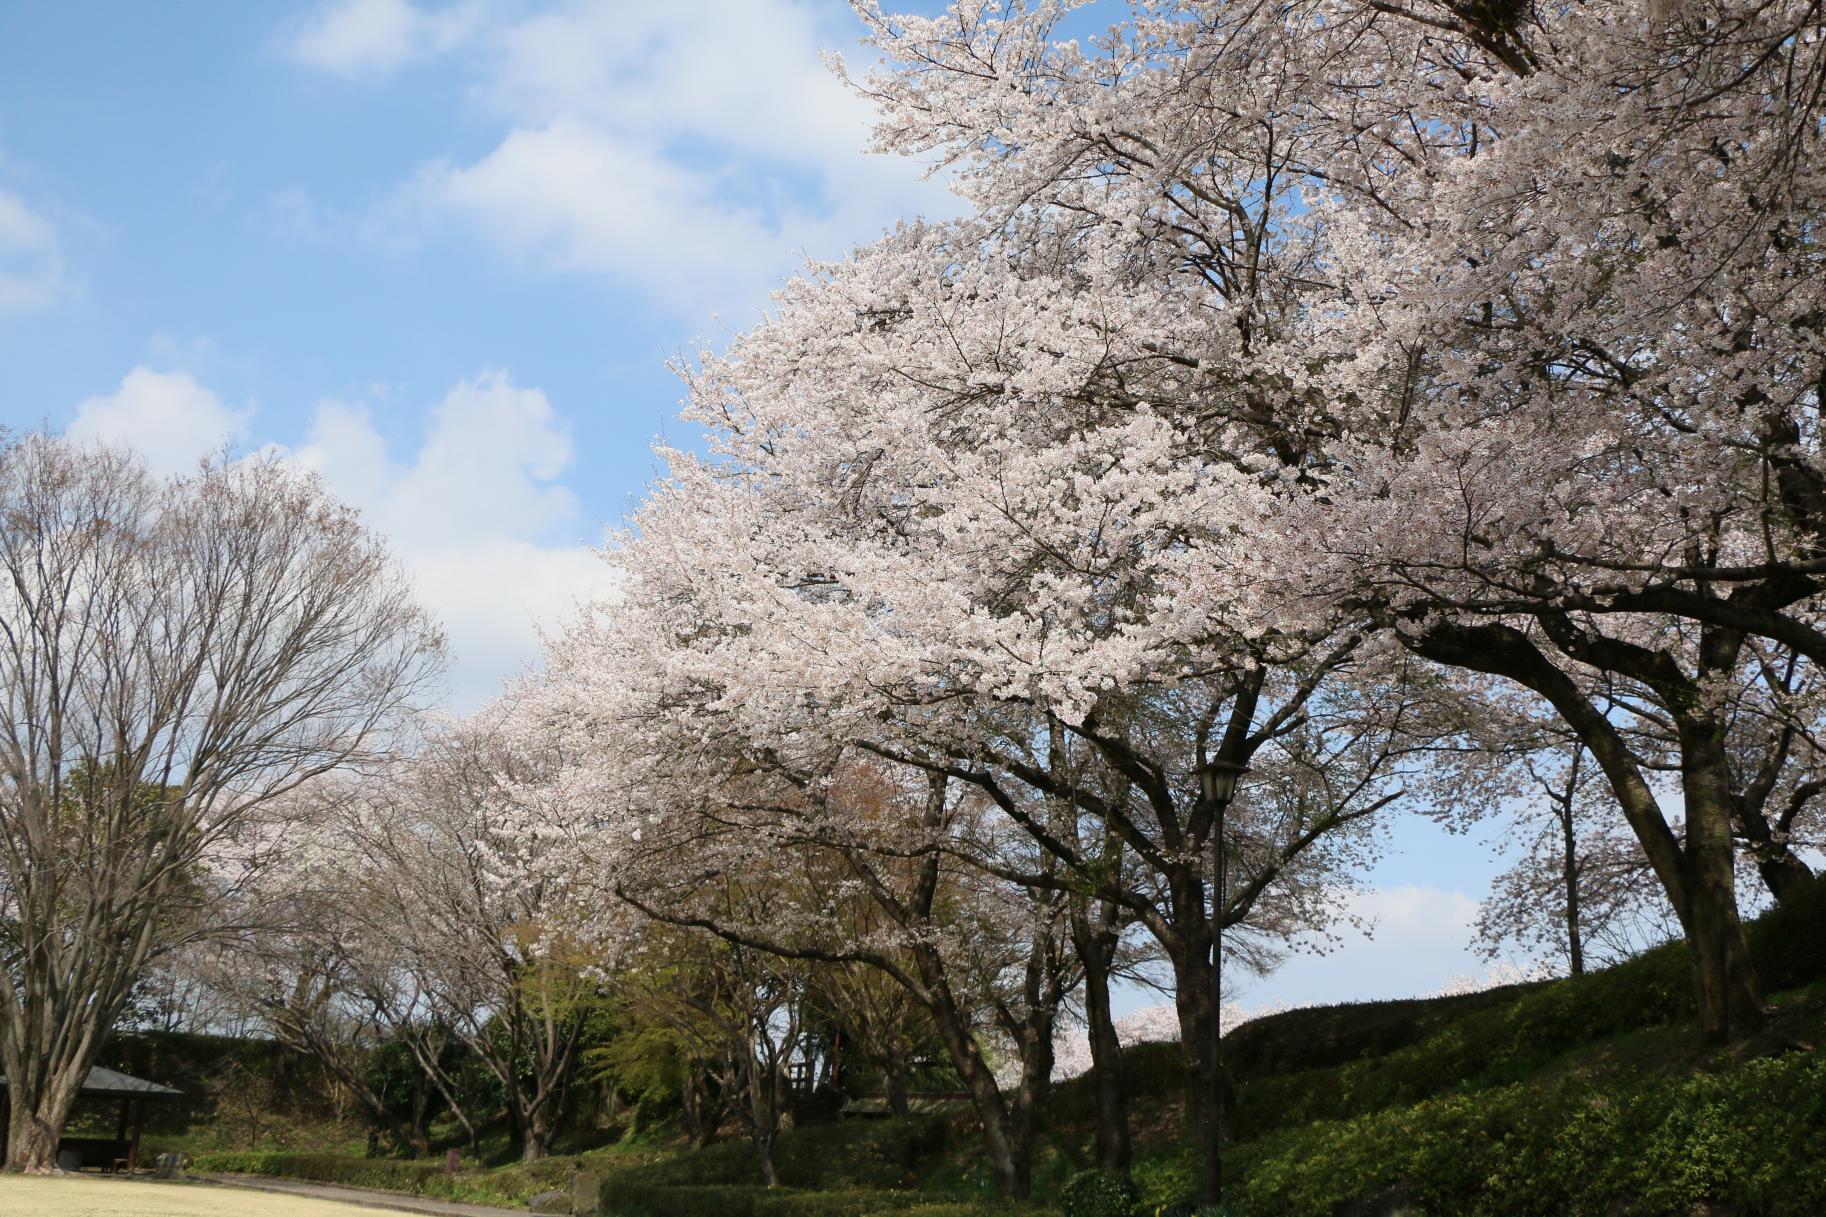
(1217, 786)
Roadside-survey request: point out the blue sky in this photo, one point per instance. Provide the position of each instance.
(442, 252)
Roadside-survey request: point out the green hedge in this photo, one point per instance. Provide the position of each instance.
(625, 1198)
(385, 1174)
(1510, 1034)
(845, 1155)
(1747, 1139)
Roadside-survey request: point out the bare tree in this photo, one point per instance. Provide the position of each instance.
(175, 657)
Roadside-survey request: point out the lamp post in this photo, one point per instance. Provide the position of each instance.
(1217, 786)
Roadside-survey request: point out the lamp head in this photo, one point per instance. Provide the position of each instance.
(1217, 780)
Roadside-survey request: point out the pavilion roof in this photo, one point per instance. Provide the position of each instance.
(111, 1084)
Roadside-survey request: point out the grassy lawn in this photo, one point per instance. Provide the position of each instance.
(78, 1197)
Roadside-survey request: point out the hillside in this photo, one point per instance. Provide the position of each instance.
(1582, 1096)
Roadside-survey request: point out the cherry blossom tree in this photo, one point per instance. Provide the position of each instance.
(1284, 347)
(479, 918)
(1581, 891)
(1515, 311)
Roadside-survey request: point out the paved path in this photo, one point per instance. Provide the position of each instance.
(109, 1196)
(361, 1196)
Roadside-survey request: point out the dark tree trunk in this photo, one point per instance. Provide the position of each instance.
(1784, 875)
(1781, 871)
(1192, 1002)
(894, 1081)
(701, 1109)
(1096, 946)
(421, 1105)
(1569, 871)
(1010, 1154)
(1725, 979)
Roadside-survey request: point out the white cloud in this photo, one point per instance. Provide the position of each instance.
(31, 263)
(171, 419)
(692, 152)
(494, 597)
(478, 515)
(477, 512)
(743, 74)
(349, 37)
(568, 197)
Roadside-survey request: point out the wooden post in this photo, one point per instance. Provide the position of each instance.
(139, 1126)
(120, 1136)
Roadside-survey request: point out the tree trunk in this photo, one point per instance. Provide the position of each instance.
(1785, 875)
(1036, 1083)
(1192, 1002)
(1569, 870)
(764, 1149)
(1009, 1154)
(1095, 952)
(1781, 871)
(421, 1106)
(894, 1080)
(38, 1115)
(537, 1137)
(1724, 976)
(699, 1109)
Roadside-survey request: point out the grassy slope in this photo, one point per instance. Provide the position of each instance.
(1583, 1096)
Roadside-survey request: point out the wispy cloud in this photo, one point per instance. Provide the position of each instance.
(478, 511)
(692, 153)
(31, 260)
(355, 37)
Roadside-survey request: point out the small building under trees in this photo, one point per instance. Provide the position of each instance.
(103, 1087)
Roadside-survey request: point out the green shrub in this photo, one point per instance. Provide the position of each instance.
(857, 1153)
(847, 1203)
(383, 1174)
(722, 1163)
(624, 1199)
(851, 1154)
(1169, 1181)
(620, 1198)
(958, 1208)
(1745, 1139)
(1099, 1194)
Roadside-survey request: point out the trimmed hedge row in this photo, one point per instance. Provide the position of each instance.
(852, 1154)
(1747, 1139)
(384, 1174)
(1498, 1042)
(622, 1198)
(509, 1185)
